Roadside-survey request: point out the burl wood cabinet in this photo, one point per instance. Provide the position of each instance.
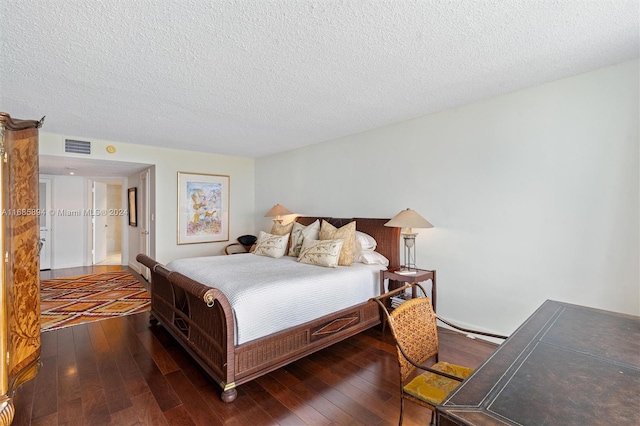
(19, 280)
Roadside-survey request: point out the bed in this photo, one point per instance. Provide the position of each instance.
(201, 318)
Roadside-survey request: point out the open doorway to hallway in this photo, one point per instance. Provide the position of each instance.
(107, 228)
(71, 231)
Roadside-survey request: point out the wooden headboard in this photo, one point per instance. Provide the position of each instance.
(388, 238)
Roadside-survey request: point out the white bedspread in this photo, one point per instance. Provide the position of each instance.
(269, 295)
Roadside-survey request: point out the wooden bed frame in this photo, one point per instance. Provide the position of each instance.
(201, 319)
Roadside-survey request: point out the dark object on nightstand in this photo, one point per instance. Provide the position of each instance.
(244, 241)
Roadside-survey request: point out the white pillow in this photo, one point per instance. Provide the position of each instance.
(321, 252)
(299, 233)
(271, 245)
(370, 257)
(365, 242)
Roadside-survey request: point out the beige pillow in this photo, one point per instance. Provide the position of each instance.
(299, 233)
(280, 229)
(320, 252)
(346, 233)
(271, 245)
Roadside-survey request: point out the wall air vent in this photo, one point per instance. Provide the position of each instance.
(77, 147)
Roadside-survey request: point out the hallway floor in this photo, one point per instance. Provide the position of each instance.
(112, 259)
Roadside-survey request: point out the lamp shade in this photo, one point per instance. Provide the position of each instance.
(277, 210)
(409, 219)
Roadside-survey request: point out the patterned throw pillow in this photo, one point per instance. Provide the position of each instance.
(299, 233)
(271, 245)
(320, 252)
(346, 233)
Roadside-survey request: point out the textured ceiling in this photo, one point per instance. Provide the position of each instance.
(256, 77)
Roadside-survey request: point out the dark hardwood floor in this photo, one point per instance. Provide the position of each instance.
(124, 371)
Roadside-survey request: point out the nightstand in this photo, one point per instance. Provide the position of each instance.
(418, 276)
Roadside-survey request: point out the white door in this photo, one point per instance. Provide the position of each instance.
(45, 224)
(99, 222)
(143, 218)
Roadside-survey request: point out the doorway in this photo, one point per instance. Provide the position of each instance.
(72, 225)
(45, 224)
(106, 222)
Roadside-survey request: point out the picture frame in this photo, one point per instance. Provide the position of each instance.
(132, 206)
(203, 208)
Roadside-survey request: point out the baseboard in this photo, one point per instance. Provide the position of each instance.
(135, 266)
(471, 327)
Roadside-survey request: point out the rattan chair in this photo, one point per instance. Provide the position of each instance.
(414, 328)
(244, 241)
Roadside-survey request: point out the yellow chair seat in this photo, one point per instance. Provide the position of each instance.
(431, 388)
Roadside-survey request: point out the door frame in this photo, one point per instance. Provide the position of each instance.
(144, 235)
(99, 221)
(46, 246)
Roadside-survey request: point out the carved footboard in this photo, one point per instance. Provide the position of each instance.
(199, 318)
(261, 356)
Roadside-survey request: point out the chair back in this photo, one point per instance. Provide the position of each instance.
(414, 328)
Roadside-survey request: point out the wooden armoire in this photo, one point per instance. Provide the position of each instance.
(19, 280)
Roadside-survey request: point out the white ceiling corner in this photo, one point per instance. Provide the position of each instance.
(252, 78)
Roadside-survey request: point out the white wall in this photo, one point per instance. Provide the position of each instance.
(68, 231)
(534, 195)
(167, 164)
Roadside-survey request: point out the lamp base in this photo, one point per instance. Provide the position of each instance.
(409, 266)
(406, 271)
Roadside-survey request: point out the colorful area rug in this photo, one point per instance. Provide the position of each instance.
(76, 300)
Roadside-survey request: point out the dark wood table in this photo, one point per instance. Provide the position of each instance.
(566, 365)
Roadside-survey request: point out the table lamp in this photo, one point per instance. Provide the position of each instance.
(277, 211)
(409, 219)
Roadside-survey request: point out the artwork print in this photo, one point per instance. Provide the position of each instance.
(203, 208)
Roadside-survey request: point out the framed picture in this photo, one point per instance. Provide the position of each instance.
(203, 208)
(132, 203)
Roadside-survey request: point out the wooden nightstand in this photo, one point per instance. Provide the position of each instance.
(419, 276)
